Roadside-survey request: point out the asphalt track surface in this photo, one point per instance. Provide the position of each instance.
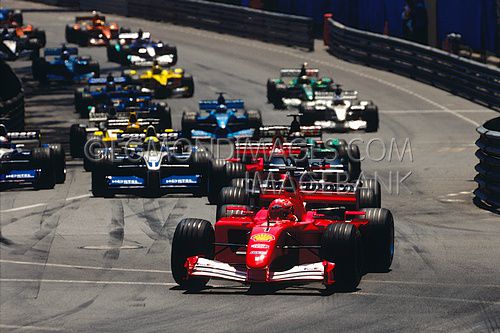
(70, 262)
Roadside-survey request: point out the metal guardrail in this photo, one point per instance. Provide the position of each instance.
(469, 79)
(488, 168)
(246, 22)
(11, 99)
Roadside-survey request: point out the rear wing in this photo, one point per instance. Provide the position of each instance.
(24, 137)
(313, 192)
(230, 104)
(294, 72)
(266, 149)
(90, 18)
(305, 131)
(58, 50)
(165, 136)
(134, 35)
(104, 80)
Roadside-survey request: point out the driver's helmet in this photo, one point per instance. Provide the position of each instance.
(151, 142)
(303, 70)
(133, 124)
(65, 54)
(338, 91)
(3, 130)
(294, 126)
(281, 209)
(4, 142)
(222, 108)
(5, 31)
(156, 68)
(304, 79)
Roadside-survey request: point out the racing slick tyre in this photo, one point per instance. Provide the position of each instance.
(192, 237)
(271, 91)
(354, 162)
(370, 115)
(278, 97)
(42, 159)
(39, 70)
(99, 186)
(342, 149)
(58, 162)
(69, 35)
(242, 182)
(77, 139)
(40, 37)
(374, 185)
(17, 16)
(93, 67)
(234, 170)
(378, 237)
(188, 123)
(83, 106)
(165, 116)
(254, 119)
(188, 82)
(223, 211)
(341, 244)
(366, 198)
(216, 180)
(234, 195)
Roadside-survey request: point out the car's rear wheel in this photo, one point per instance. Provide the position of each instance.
(371, 117)
(225, 211)
(59, 162)
(341, 244)
(42, 159)
(216, 180)
(188, 123)
(192, 237)
(77, 140)
(378, 235)
(188, 82)
(254, 119)
(99, 185)
(374, 185)
(165, 116)
(366, 198)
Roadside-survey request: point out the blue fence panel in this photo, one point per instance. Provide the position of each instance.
(474, 19)
(393, 10)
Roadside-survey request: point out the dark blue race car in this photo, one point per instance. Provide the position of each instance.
(137, 49)
(64, 65)
(105, 90)
(225, 119)
(25, 161)
(9, 16)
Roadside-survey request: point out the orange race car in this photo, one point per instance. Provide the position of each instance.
(92, 31)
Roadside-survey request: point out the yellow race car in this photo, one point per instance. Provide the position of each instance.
(165, 82)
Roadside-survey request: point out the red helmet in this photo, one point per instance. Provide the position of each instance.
(281, 209)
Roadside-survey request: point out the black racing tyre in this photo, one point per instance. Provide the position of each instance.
(223, 211)
(342, 149)
(371, 117)
(69, 35)
(216, 180)
(354, 162)
(94, 67)
(271, 91)
(77, 140)
(188, 82)
(192, 237)
(378, 236)
(374, 185)
(41, 37)
(341, 244)
(366, 198)
(254, 119)
(41, 158)
(84, 106)
(241, 182)
(39, 69)
(58, 162)
(188, 123)
(165, 116)
(17, 16)
(99, 185)
(78, 98)
(234, 170)
(234, 195)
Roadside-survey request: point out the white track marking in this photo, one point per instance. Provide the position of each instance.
(131, 283)
(325, 63)
(119, 269)
(444, 284)
(42, 204)
(432, 298)
(32, 328)
(432, 111)
(171, 284)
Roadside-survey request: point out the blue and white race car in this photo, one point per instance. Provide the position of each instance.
(64, 65)
(225, 119)
(24, 161)
(151, 164)
(105, 90)
(137, 49)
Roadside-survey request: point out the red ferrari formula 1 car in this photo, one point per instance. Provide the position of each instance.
(92, 31)
(284, 242)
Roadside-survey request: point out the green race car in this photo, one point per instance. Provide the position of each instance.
(296, 85)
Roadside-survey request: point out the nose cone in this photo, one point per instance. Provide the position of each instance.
(222, 120)
(261, 247)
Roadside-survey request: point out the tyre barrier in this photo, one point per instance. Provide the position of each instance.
(11, 99)
(463, 77)
(488, 178)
